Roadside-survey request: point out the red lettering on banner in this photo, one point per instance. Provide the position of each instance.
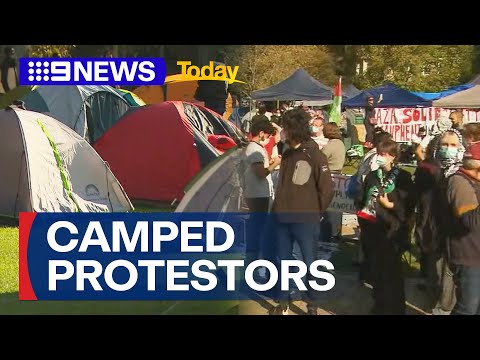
(398, 128)
(416, 115)
(438, 111)
(378, 116)
(408, 116)
(402, 132)
(388, 117)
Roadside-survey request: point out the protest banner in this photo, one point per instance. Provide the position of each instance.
(402, 123)
(341, 202)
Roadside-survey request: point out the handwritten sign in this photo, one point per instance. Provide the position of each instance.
(402, 123)
(341, 203)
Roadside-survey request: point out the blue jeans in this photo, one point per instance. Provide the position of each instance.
(275, 174)
(306, 235)
(259, 217)
(467, 281)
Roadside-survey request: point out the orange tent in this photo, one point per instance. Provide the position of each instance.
(181, 91)
(176, 91)
(150, 94)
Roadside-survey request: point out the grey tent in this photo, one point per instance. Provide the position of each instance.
(467, 99)
(217, 188)
(298, 86)
(47, 167)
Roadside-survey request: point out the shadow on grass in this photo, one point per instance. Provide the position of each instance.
(10, 305)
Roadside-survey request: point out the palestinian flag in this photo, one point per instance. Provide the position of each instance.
(335, 114)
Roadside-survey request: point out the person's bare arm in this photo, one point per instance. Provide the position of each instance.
(261, 171)
(277, 134)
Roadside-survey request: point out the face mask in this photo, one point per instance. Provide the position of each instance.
(446, 152)
(314, 129)
(381, 161)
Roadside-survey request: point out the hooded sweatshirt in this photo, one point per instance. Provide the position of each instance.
(305, 187)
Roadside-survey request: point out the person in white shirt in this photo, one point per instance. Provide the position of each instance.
(258, 185)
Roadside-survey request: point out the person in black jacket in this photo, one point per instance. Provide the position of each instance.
(369, 120)
(212, 92)
(305, 191)
(386, 207)
(9, 70)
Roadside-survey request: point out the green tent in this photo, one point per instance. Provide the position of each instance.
(88, 110)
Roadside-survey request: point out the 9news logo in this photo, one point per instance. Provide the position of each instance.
(92, 71)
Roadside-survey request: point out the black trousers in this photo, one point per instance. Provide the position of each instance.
(386, 271)
(365, 273)
(370, 129)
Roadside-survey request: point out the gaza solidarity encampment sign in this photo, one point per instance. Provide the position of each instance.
(402, 123)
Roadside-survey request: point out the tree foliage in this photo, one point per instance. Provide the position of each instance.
(261, 66)
(51, 50)
(415, 67)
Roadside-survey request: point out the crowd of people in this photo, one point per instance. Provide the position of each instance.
(290, 159)
(440, 202)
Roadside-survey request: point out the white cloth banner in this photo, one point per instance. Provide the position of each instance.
(341, 202)
(402, 123)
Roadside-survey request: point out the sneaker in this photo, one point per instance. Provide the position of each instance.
(438, 311)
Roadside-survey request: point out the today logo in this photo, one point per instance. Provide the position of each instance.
(92, 71)
(212, 71)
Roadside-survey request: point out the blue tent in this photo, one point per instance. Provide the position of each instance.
(298, 86)
(441, 94)
(387, 95)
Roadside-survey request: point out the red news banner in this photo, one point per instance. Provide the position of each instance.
(402, 123)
